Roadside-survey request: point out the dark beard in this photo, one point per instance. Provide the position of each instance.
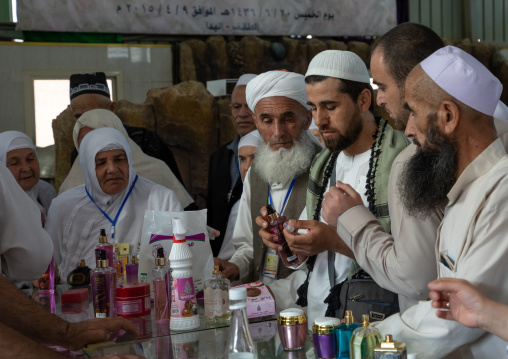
(429, 174)
(345, 140)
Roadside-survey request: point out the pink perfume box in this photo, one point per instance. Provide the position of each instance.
(260, 301)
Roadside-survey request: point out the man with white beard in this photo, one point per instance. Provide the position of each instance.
(279, 174)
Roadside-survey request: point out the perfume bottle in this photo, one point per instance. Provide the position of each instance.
(102, 279)
(79, 276)
(104, 245)
(216, 297)
(323, 335)
(240, 344)
(118, 266)
(390, 349)
(161, 287)
(132, 269)
(364, 340)
(47, 280)
(276, 226)
(343, 335)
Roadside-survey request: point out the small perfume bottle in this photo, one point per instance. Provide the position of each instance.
(104, 245)
(132, 269)
(323, 336)
(216, 297)
(47, 280)
(276, 222)
(79, 276)
(343, 335)
(102, 279)
(240, 343)
(161, 287)
(118, 266)
(390, 349)
(364, 340)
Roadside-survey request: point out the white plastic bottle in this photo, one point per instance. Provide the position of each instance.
(184, 307)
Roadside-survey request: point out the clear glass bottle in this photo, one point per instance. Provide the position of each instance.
(217, 297)
(276, 226)
(118, 266)
(161, 287)
(240, 344)
(103, 283)
(343, 334)
(364, 340)
(104, 245)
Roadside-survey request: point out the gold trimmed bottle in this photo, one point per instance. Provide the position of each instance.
(364, 340)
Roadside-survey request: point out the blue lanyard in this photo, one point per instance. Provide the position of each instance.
(290, 189)
(113, 222)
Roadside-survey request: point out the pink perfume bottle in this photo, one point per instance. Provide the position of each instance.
(104, 245)
(133, 267)
(47, 280)
(161, 287)
(118, 266)
(276, 221)
(103, 283)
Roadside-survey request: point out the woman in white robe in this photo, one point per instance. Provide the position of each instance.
(148, 167)
(76, 216)
(41, 192)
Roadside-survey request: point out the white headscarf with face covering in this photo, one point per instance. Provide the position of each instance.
(74, 220)
(146, 166)
(42, 193)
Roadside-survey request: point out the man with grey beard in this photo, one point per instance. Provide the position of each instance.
(279, 174)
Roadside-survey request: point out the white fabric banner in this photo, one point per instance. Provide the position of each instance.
(212, 17)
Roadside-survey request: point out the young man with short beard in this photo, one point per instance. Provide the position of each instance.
(279, 174)
(359, 150)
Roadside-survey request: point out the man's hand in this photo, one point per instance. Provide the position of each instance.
(338, 201)
(95, 331)
(269, 239)
(229, 270)
(319, 238)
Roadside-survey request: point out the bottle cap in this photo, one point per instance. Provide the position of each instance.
(289, 227)
(117, 249)
(178, 230)
(292, 316)
(365, 320)
(325, 325)
(348, 317)
(82, 264)
(270, 209)
(390, 346)
(237, 294)
(216, 269)
(160, 260)
(102, 261)
(135, 259)
(103, 238)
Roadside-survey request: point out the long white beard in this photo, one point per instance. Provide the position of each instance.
(282, 165)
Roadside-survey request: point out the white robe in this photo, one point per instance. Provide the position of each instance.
(74, 220)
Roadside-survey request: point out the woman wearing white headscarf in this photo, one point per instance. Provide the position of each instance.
(148, 167)
(17, 152)
(113, 197)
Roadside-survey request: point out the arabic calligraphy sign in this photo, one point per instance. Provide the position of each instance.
(212, 17)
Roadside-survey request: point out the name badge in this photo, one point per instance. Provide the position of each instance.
(271, 265)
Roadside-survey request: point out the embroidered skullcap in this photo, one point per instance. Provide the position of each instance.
(251, 139)
(344, 65)
(276, 83)
(244, 79)
(89, 82)
(464, 78)
(501, 111)
(13, 140)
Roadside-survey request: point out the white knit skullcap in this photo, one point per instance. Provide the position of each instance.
(244, 79)
(276, 83)
(13, 140)
(464, 78)
(344, 65)
(251, 139)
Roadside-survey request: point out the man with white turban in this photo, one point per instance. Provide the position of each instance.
(113, 197)
(148, 167)
(18, 153)
(224, 182)
(279, 174)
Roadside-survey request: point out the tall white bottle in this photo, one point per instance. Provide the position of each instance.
(184, 307)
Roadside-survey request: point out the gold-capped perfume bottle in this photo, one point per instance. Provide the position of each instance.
(217, 297)
(390, 349)
(364, 340)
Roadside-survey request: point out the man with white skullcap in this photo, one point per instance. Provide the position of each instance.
(224, 180)
(359, 152)
(279, 174)
(462, 165)
(114, 197)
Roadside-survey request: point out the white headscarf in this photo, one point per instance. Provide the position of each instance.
(42, 193)
(276, 83)
(148, 167)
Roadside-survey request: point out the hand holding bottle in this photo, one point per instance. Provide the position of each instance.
(229, 270)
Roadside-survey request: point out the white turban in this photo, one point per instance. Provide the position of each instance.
(244, 79)
(251, 139)
(276, 83)
(13, 140)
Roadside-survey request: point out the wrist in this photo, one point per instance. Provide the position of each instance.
(491, 316)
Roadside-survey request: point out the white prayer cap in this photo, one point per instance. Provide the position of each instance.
(464, 78)
(276, 83)
(13, 140)
(251, 139)
(501, 111)
(97, 118)
(244, 79)
(344, 65)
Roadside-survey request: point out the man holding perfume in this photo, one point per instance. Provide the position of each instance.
(279, 174)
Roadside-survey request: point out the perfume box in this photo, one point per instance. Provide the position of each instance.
(260, 301)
